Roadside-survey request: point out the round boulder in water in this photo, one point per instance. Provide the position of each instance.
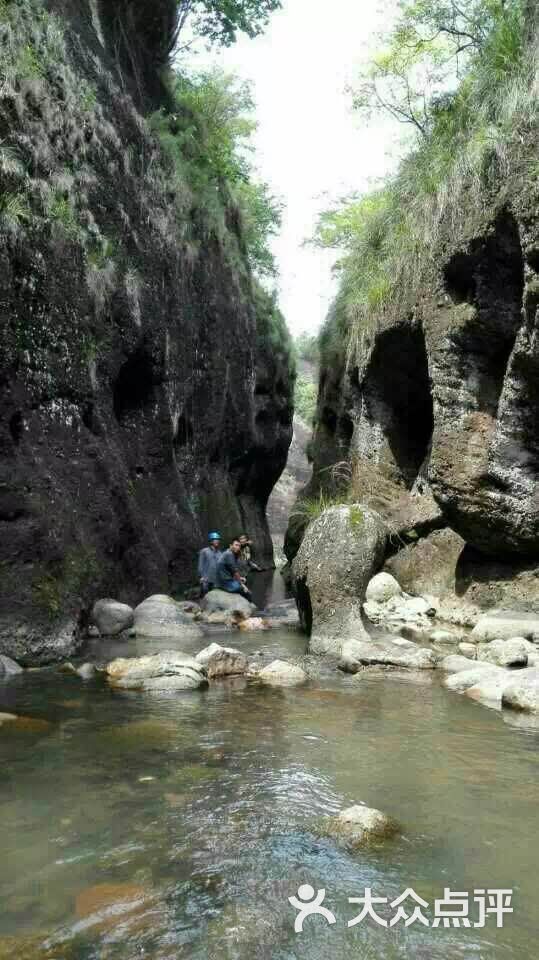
(111, 617)
(161, 616)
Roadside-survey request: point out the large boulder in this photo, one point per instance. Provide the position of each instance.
(111, 617)
(396, 652)
(8, 667)
(169, 670)
(279, 673)
(37, 644)
(340, 552)
(504, 625)
(506, 653)
(522, 693)
(161, 616)
(230, 604)
(222, 661)
(360, 826)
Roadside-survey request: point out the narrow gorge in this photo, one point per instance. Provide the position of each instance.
(269, 464)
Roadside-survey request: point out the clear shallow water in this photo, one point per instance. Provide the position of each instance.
(207, 851)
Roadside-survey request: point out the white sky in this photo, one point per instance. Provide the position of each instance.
(310, 146)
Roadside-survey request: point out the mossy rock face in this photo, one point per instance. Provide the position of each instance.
(119, 450)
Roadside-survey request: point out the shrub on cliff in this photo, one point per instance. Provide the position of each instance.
(463, 79)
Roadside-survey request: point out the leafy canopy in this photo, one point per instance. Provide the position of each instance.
(220, 21)
(429, 50)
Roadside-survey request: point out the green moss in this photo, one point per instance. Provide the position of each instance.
(356, 517)
(53, 590)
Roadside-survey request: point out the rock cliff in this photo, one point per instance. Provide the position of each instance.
(144, 397)
(433, 417)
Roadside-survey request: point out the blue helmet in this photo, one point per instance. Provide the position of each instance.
(214, 536)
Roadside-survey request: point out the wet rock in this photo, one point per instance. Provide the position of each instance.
(478, 674)
(160, 616)
(254, 623)
(416, 611)
(340, 552)
(398, 653)
(222, 661)
(111, 617)
(457, 663)
(7, 718)
(11, 721)
(523, 693)
(109, 905)
(8, 667)
(37, 644)
(382, 588)
(168, 670)
(359, 826)
(506, 653)
(443, 637)
(87, 671)
(282, 674)
(505, 626)
(490, 688)
(416, 634)
(468, 650)
(219, 601)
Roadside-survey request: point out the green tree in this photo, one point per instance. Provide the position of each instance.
(220, 21)
(429, 49)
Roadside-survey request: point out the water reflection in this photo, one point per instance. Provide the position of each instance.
(176, 826)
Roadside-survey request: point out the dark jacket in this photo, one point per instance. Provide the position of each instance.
(208, 560)
(227, 568)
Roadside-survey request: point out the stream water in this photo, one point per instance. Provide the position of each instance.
(163, 827)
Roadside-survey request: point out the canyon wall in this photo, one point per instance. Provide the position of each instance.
(145, 379)
(432, 418)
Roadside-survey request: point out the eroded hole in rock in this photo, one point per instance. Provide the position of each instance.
(398, 401)
(484, 343)
(16, 427)
(345, 429)
(184, 434)
(459, 278)
(134, 386)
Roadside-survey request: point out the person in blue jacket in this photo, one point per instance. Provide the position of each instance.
(208, 559)
(229, 576)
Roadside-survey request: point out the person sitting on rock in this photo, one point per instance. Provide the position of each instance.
(229, 576)
(247, 564)
(208, 559)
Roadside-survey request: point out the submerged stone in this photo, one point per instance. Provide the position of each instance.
(169, 670)
(282, 674)
(359, 826)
